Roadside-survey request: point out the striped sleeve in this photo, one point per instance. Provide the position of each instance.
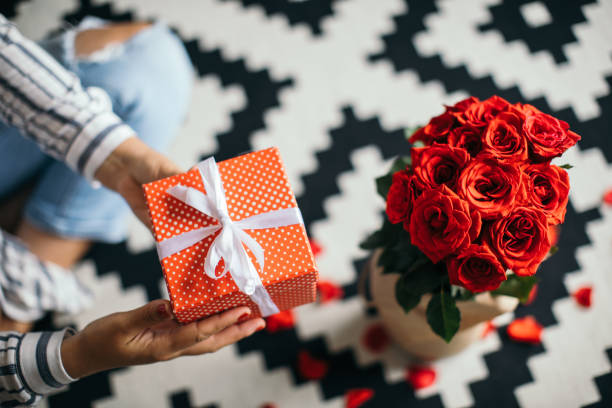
(47, 104)
(31, 366)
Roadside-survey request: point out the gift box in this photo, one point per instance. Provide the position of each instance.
(230, 234)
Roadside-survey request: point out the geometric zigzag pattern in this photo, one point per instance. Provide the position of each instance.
(333, 83)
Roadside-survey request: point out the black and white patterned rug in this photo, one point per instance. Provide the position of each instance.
(333, 83)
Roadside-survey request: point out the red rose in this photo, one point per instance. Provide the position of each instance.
(479, 114)
(548, 190)
(521, 239)
(490, 186)
(435, 131)
(442, 223)
(466, 138)
(476, 268)
(438, 164)
(403, 191)
(504, 139)
(461, 106)
(548, 137)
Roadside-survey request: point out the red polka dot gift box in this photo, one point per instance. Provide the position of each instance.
(231, 234)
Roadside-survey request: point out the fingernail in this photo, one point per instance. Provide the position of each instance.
(260, 328)
(244, 316)
(162, 311)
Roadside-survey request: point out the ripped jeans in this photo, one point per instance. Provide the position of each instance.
(149, 79)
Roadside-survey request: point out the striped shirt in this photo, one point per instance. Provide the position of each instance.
(48, 105)
(30, 366)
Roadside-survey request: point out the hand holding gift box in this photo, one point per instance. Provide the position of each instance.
(231, 234)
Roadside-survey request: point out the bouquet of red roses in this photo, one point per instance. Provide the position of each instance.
(474, 207)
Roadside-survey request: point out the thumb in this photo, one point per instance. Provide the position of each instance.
(149, 315)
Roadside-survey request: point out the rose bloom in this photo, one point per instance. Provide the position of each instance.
(476, 268)
(548, 137)
(438, 164)
(461, 106)
(504, 139)
(466, 138)
(521, 239)
(479, 114)
(403, 191)
(548, 189)
(441, 223)
(490, 186)
(435, 131)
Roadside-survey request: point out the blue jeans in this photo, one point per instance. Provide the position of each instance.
(148, 79)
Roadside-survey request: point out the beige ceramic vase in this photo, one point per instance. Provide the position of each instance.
(411, 330)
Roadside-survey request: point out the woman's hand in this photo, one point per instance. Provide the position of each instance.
(149, 334)
(130, 165)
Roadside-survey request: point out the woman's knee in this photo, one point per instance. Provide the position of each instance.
(148, 75)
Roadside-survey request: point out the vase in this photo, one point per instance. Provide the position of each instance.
(411, 330)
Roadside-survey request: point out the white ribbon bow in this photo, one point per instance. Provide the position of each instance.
(228, 244)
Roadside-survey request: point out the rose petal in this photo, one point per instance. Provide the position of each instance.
(284, 320)
(488, 329)
(357, 397)
(375, 338)
(315, 247)
(329, 291)
(583, 296)
(525, 330)
(420, 377)
(311, 368)
(268, 405)
(532, 295)
(607, 198)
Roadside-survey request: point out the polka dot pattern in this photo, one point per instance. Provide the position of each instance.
(254, 183)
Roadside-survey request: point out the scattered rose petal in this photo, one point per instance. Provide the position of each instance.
(525, 330)
(329, 291)
(375, 338)
(357, 397)
(315, 247)
(311, 368)
(532, 295)
(488, 329)
(284, 320)
(420, 377)
(608, 197)
(583, 296)
(268, 405)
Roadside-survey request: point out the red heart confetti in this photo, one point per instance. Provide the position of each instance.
(315, 247)
(583, 296)
(311, 368)
(525, 330)
(607, 198)
(420, 377)
(532, 295)
(329, 291)
(375, 338)
(357, 397)
(488, 329)
(284, 320)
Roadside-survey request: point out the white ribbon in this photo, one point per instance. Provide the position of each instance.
(228, 244)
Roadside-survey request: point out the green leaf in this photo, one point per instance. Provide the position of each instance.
(388, 259)
(373, 241)
(383, 184)
(410, 131)
(424, 279)
(443, 315)
(405, 298)
(517, 286)
(566, 166)
(553, 250)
